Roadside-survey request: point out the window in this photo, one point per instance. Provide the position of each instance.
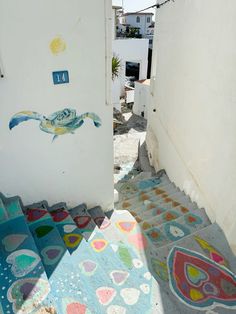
(138, 19)
(148, 19)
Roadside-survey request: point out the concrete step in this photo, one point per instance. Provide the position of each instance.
(21, 268)
(164, 210)
(146, 195)
(173, 231)
(129, 189)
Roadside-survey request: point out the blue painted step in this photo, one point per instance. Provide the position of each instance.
(112, 276)
(23, 281)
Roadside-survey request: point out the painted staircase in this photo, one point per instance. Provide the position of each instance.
(55, 260)
(157, 252)
(187, 254)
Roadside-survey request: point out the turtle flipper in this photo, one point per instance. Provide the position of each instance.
(96, 120)
(54, 138)
(24, 116)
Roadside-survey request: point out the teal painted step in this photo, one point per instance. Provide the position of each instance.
(175, 230)
(108, 272)
(21, 269)
(209, 242)
(191, 218)
(46, 236)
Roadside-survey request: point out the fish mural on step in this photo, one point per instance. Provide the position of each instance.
(59, 123)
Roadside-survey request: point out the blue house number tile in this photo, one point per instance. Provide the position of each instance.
(60, 77)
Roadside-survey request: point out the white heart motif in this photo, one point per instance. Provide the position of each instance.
(69, 228)
(145, 288)
(176, 232)
(130, 295)
(147, 275)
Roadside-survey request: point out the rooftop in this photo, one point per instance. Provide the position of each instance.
(136, 13)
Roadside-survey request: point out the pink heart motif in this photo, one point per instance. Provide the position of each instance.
(105, 295)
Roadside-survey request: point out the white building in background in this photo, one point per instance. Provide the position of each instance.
(192, 121)
(141, 98)
(133, 54)
(137, 20)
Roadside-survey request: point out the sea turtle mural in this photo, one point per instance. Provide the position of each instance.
(59, 123)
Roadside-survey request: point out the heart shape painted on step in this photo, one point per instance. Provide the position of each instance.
(130, 295)
(82, 221)
(52, 254)
(119, 277)
(175, 231)
(99, 245)
(72, 239)
(69, 228)
(23, 262)
(42, 231)
(145, 288)
(193, 219)
(102, 222)
(35, 214)
(217, 258)
(126, 226)
(13, 241)
(105, 295)
(59, 216)
(195, 275)
(27, 294)
(199, 282)
(88, 267)
(77, 308)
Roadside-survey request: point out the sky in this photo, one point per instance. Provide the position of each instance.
(135, 5)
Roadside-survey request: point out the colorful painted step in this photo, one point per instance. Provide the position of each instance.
(177, 229)
(207, 279)
(83, 220)
(3, 212)
(23, 281)
(141, 196)
(190, 218)
(129, 189)
(116, 284)
(99, 217)
(46, 236)
(69, 232)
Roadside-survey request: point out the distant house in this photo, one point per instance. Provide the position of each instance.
(142, 21)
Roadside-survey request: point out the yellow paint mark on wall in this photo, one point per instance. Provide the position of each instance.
(57, 45)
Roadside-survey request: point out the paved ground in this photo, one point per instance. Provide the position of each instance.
(127, 138)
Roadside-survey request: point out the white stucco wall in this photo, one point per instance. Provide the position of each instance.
(75, 167)
(192, 132)
(131, 50)
(141, 99)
